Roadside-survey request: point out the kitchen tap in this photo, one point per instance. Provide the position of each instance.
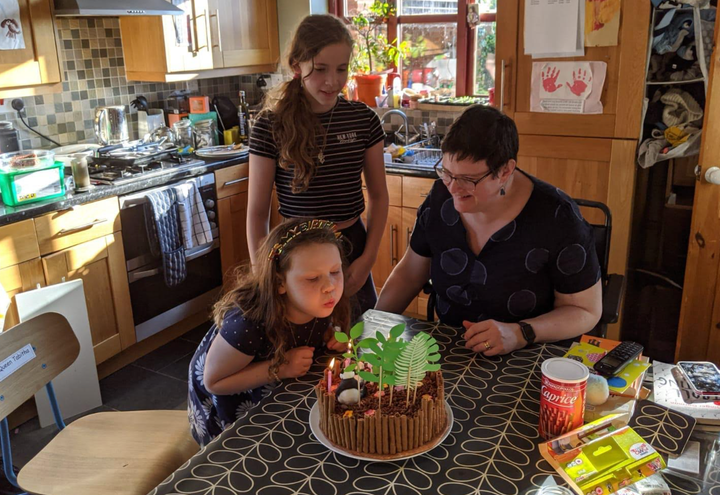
(406, 139)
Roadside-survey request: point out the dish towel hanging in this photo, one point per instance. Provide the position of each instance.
(194, 221)
(163, 230)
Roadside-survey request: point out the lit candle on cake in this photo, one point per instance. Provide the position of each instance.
(330, 372)
(347, 360)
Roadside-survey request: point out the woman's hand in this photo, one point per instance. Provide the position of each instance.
(334, 345)
(356, 275)
(297, 362)
(493, 337)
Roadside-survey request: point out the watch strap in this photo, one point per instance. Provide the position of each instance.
(527, 331)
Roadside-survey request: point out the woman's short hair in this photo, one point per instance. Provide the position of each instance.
(483, 133)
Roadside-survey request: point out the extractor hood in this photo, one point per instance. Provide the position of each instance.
(78, 8)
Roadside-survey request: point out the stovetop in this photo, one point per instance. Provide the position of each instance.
(117, 173)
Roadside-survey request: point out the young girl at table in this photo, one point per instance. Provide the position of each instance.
(268, 325)
(314, 146)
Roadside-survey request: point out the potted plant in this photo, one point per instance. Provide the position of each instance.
(373, 53)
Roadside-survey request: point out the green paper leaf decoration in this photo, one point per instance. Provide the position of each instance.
(365, 343)
(369, 377)
(341, 337)
(412, 363)
(357, 330)
(347, 355)
(373, 359)
(351, 367)
(397, 331)
(375, 347)
(380, 337)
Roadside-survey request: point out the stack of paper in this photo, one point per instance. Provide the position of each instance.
(555, 29)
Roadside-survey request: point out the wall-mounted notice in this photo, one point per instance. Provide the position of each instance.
(567, 87)
(11, 36)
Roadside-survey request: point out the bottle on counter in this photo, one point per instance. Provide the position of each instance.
(243, 119)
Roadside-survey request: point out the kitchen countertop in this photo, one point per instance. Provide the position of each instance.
(12, 214)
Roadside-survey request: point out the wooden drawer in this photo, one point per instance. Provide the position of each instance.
(18, 243)
(62, 229)
(415, 190)
(394, 186)
(231, 180)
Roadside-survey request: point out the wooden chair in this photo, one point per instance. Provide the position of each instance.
(104, 453)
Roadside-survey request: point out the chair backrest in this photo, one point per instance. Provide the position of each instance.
(51, 338)
(602, 233)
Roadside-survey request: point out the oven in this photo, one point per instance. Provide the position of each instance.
(155, 305)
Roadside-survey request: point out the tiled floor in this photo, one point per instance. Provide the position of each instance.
(155, 381)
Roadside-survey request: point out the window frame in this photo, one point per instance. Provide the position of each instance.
(466, 36)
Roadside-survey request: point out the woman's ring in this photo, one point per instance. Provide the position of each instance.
(487, 345)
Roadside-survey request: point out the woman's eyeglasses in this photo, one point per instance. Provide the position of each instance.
(465, 183)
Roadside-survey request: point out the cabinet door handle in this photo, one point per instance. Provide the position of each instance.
(502, 84)
(234, 181)
(393, 258)
(197, 39)
(83, 226)
(216, 15)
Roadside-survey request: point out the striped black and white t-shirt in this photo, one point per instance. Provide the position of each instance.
(335, 192)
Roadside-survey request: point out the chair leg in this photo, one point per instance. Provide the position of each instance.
(7, 453)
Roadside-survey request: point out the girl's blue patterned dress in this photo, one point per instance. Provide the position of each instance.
(210, 414)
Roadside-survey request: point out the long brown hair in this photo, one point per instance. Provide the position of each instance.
(294, 125)
(256, 291)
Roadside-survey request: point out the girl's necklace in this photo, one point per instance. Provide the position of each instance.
(309, 339)
(321, 154)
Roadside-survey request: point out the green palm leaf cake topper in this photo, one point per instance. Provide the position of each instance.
(392, 361)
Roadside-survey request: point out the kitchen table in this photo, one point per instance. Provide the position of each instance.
(492, 448)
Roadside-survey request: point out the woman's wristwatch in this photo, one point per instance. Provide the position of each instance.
(527, 332)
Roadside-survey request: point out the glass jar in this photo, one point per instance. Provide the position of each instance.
(183, 134)
(205, 133)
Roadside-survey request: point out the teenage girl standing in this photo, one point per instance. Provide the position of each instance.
(314, 147)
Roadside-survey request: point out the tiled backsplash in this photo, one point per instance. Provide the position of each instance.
(91, 58)
(416, 118)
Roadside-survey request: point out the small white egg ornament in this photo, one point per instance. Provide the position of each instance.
(597, 391)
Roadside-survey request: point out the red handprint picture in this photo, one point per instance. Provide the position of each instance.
(549, 77)
(581, 78)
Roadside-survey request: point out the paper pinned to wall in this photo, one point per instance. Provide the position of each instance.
(11, 36)
(602, 22)
(554, 28)
(567, 87)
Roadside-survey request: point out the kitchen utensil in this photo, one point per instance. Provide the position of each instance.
(140, 104)
(221, 151)
(163, 132)
(149, 120)
(111, 124)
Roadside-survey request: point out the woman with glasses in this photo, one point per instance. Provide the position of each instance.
(510, 256)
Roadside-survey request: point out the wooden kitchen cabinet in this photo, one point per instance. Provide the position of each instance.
(622, 93)
(37, 63)
(214, 38)
(100, 263)
(232, 193)
(243, 33)
(20, 267)
(406, 194)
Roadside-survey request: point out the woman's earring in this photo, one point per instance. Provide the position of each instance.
(502, 190)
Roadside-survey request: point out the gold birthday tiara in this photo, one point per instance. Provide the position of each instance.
(299, 229)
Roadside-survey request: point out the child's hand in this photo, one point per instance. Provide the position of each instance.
(334, 345)
(297, 362)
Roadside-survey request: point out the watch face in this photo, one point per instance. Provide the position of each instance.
(528, 332)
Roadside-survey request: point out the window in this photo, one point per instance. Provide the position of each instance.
(444, 51)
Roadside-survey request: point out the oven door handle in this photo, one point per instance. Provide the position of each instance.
(135, 276)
